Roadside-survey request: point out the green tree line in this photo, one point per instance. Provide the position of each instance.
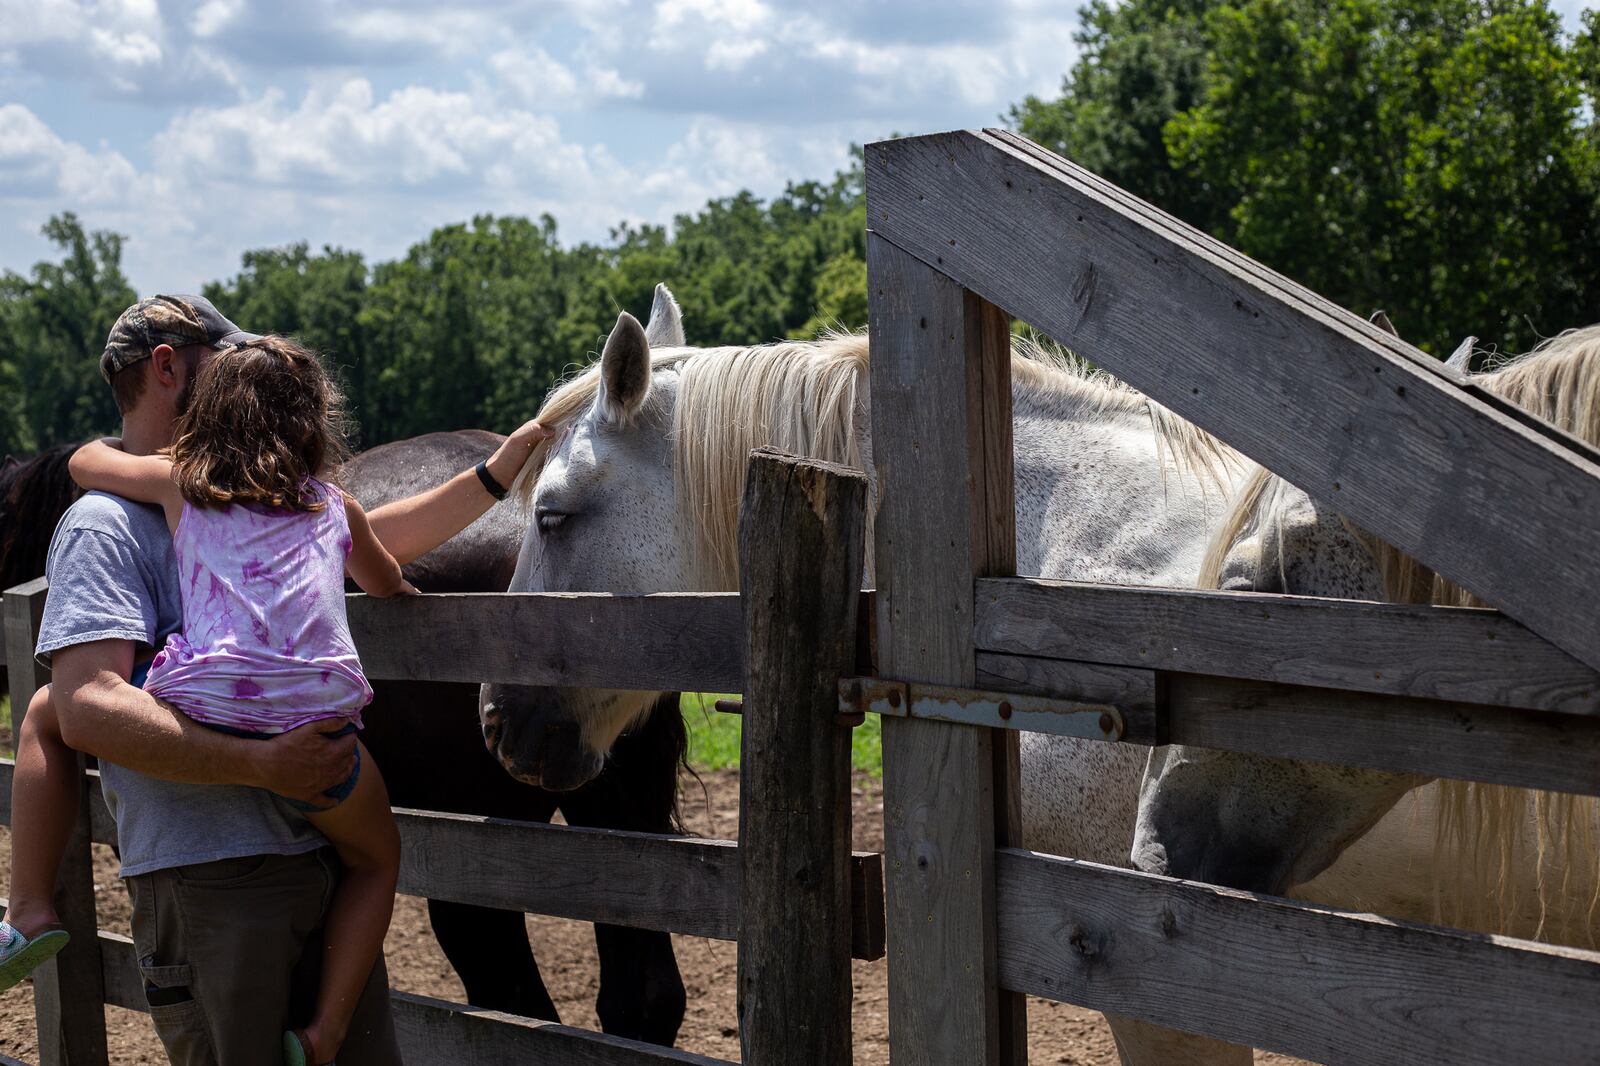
(1438, 158)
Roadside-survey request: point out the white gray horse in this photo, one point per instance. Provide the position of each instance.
(639, 492)
(1497, 859)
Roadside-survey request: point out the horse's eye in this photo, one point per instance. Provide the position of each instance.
(549, 520)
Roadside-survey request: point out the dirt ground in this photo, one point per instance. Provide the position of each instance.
(1057, 1033)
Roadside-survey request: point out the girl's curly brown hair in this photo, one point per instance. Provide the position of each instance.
(263, 418)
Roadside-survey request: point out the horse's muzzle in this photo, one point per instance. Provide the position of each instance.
(535, 736)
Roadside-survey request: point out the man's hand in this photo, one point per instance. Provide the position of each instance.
(304, 763)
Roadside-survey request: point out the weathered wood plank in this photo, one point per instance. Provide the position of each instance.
(1294, 293)
(1449, 653)
(675, 641)
(1437, 738)
(1330, 986)
(868, 932)
(595, 875)
(124, 985)
(802, 533)
(643, 880)
(1473, 493)
(102, 830)
(68, 990)
(1532, 749)
(433, 1032)
(119, 968)
(937, 424)
(675, 884)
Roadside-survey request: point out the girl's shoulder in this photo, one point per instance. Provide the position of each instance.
(327, 492)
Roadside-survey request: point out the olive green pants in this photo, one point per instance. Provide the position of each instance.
(231, 954)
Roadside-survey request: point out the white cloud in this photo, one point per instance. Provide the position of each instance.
(534, 78)
(213, 16)
(349, 138)
(364, 123)
(37, 164)
(123, 47)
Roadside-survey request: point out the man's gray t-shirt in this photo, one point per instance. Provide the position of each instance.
(113, 576)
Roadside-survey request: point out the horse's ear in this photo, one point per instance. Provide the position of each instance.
(666, 321)
(1461, 358)
(1380, 318)
(624, 370)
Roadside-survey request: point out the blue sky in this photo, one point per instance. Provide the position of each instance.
(201, 128)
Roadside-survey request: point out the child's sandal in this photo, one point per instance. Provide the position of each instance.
(297, 1050)
(21, 955)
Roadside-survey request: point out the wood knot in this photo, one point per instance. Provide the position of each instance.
(1083, 942)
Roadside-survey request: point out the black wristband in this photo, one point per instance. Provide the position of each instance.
(497, 490)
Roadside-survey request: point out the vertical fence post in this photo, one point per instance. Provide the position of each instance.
(801, 543)
(941, 443)
(69, 991)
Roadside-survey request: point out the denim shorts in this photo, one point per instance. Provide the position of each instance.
(338, 793)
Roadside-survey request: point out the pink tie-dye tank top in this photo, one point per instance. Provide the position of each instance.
(265, 644)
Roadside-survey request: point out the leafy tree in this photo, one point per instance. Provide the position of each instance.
(1427, 157)
(462, 331)
(1141, 63)
(1434, 157)
(53, 327)
(317, 298)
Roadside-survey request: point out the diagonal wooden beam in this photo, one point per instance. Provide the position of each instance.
(1502, 505)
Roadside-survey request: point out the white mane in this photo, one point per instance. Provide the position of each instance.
(811, 398)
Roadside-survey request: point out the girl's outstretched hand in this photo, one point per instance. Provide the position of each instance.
(509, 459)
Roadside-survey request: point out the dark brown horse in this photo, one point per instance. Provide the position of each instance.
(428, 740)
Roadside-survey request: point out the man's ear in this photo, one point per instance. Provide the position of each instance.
(164, 365)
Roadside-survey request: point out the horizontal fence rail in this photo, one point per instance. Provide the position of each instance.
(668, 642)
(1255, 673)
(1328, 985)
(435, 1032)
(1438, 738)
(1471, 655)
(673, 884)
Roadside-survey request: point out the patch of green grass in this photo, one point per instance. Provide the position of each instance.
(714, 736)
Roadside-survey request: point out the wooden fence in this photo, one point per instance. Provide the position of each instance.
(966, 230)
(970, 228)
(795, 937)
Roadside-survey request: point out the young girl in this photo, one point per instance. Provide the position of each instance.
(263, 542)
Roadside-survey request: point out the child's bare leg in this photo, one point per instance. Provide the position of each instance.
(44, 805)
(363, 830)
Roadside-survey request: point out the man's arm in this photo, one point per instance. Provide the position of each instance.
(105, 716)
(418, 524)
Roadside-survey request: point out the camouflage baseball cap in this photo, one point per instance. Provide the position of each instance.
(174, 320)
